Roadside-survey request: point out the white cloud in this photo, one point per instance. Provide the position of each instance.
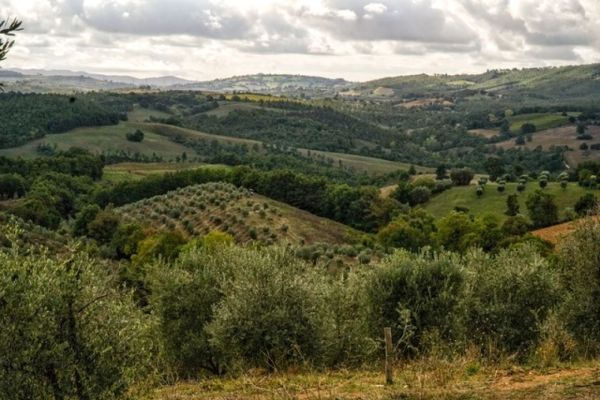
(356, 39)
(375, 8)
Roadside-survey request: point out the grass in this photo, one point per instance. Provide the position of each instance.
(540, 120)
(101, 139)
(494, 203)
(423, 379)
(134, 171)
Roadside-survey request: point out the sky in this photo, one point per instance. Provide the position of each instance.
(353, 39)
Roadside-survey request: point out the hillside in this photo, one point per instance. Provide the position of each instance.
(272, 84)
(581, 81)
(562, 136)
(200, 209)
(494, 203)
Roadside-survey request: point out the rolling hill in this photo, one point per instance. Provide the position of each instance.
(200, 209)
(494, 203)
(582, 80)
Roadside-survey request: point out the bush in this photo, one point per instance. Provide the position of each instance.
(542, 209)
(585, 204)
(136, 136)
(461, 177)
(272, 315)
(507, 299)
(415, 294)
(183, 296)
(528, 128)
(66, 331)
(419, 195)
(579, 258)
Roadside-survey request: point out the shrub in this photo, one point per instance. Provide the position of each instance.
(542, 209)
(579, 258)
(415, 294)
(419, 195)
(585, 204)
(66, 331)
(461, 177)
(528, 128)
(507, 299)
(165, 245)
(103, 226)
(136, 136)
(272, 315)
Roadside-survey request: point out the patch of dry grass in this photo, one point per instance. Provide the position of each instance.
(424, 379)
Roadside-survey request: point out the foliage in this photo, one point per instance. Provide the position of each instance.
(461, 177)
(271, 293)
(542, 209)
(67, 331)
(579, 263)
(506, 299)
(586, 203)
(8, 28)
(512, 205)
(410, 231)
(415, 294)
(136, 136)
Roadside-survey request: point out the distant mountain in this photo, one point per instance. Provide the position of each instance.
(126, 79)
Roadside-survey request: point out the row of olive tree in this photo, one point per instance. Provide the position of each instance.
(68, 329)
(238, 308)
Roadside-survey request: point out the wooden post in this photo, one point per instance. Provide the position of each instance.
(389, 352)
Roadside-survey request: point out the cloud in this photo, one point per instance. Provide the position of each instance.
(357, 39)
(399, 20)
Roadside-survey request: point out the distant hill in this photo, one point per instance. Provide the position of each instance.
(274, 84)
(161, 81)
(569, 81)
(40, 80)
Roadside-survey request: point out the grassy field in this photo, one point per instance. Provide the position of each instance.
(423, 380)
(103, 138)
(494, 203)
(540, 120)
(133, 171)
(200, 209)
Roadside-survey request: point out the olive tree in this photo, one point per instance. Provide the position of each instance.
(67, 331)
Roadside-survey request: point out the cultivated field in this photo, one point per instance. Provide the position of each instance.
(494, 203)
(540, 120)
(133, 171)
(563, 136)
(200, 209)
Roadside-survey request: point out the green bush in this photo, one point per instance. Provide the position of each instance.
(67, 331)
(508, 296)
(273, 312)
(579, 259)
(415, 294)
(183, 296)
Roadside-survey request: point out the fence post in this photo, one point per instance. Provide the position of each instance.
(389, 351)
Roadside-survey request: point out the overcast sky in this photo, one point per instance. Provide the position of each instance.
(352, 39)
